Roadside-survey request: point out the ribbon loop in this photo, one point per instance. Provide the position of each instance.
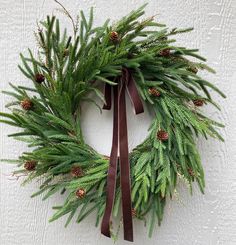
(120, 142)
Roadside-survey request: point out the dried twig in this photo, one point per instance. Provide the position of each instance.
(69, 15)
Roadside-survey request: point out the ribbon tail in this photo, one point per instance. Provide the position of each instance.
(133, 93)
(124, 166)
(120, 140)
(112, 170)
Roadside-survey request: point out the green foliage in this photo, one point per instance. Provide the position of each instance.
(74, 68)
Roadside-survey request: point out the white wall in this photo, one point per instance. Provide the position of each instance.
(201, 219)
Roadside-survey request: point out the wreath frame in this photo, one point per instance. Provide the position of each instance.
(67, 69)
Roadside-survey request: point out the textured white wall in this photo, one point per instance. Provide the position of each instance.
(200, 220)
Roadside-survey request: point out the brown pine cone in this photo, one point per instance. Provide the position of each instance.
(154, 92)
(114, 36)
(76, 171)
(26, 104)
(191, 172)
(39, 78)
(30, 165)
(80, 193)
(162, 135)
(134, 212)
(198, 102)
(66, 52)
(165, 52)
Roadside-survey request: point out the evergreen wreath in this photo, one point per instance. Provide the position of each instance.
(67, 70)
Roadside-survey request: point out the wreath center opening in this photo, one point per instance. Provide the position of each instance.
(97, 126)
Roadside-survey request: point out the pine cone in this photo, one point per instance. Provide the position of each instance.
(114, 36)
(26, 104)
(198, 102)
(80, 193)
(66, 52)
(39, 78)
(134, 212)
(76, 171)
(193, 69)
(191, 172)
(162, 135)
(154, 92)
(165, 52)
(30, 165)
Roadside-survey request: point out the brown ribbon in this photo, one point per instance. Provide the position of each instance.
(120, 142)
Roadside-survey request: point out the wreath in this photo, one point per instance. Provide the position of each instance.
(133, 55)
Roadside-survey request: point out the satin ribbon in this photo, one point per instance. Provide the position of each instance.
(120, 143)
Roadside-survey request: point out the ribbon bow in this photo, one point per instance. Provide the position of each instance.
(120, 142)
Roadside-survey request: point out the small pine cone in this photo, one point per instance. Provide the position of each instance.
(165, 52)
(162, 135)
(66, 52)
(134, 212)
(110, 223)
(76, 171)
(30, 165)
(114, 36)
(80, 193)
(39, 78)
(193, 69)
(26, 104)
(154, 92)
(191, 172)
(198, 102)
